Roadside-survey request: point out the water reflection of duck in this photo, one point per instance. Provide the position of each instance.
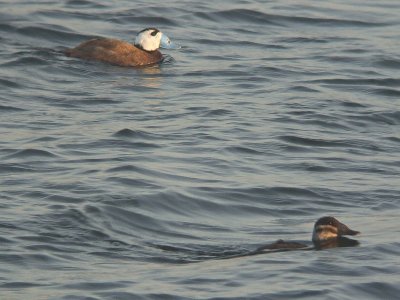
(143, 52)
(328, 233)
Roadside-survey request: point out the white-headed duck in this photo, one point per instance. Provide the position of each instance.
(143, 52)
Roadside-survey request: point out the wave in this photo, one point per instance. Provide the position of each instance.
(257, 17)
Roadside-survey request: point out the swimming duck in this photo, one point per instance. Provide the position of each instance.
(328, 233)
(143, 52)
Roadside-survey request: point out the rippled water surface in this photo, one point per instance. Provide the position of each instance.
(154, 183)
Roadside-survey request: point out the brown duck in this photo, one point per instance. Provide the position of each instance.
(142, 53)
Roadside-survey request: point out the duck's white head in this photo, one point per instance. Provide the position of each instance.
(327, 228)
(150, 39)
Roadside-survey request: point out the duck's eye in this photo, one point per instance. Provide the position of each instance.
(154, 33)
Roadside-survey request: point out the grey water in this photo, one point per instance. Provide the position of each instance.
(124, 183)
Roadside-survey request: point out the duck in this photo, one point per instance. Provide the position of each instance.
(328, 232)
(143, 52)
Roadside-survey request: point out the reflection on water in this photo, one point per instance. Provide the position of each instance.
(340, 242)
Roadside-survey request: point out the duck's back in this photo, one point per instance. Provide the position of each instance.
(282, 245)
(115, 52)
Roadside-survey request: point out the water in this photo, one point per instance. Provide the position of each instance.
(120, 183)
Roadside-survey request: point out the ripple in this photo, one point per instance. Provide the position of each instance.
(134, 182)
(256, 17)
(5, 108)
(20, 285)
(9, 83)
(31, 153)
(314, 142)
(372, 81)
(47, 31)
(381, 290)
(387, 92)
(136, 134)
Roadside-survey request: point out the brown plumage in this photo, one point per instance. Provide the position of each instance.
(115, 52)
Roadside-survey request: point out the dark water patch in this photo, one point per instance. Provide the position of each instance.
(44, 260)
(294, 294)
(189, 253)
(217, 112)
(322, 169)
(151, 173)
(312, 142)
(324, 122)
(281, 72)
(258, 195)
(354, 144)
(136, 134)
(386, 118)
(5, 83)
(222, 43)
(63, 199)
(394, 139)
(6, 241)
(119, 143)
(20, 285)
(97, 286)
(348, 169)
(84, 149)
(7, 27)
(15, 168)
(75, 297)
(129, 19)
(390, 82)
(5, 109)
(83, 4)
(49, 32)
(392, 249)
(339, 59)
(138, 183)
(152, 16)
(238, 15)
(295, 192)
(87, 101)
(256, 17)
(387, 92)
(243, 150)
(128, 168)
(352, 104)
(27, 61)
(52, 248)
(9, 226)
(390, 63)
(31, 153)
(141, 296)
(305, 117)
(373, 290)
(78, 14)
(181, 204)
(44, 139)
(356, 51)
(124, 221)
(303, 40)
(302, 88)
(13, 259)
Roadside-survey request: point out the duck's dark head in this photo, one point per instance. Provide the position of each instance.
(328, 228)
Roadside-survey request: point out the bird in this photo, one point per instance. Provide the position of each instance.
(328, 233)
(143, 52)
